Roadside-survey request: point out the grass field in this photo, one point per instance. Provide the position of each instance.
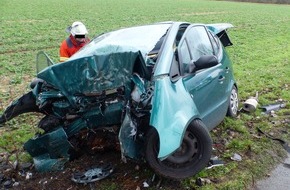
(261, 57)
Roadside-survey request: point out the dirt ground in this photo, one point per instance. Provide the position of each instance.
(130, 175)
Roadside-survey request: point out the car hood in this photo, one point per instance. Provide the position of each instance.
(94, 75)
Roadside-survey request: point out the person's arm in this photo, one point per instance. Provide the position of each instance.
(63, 53)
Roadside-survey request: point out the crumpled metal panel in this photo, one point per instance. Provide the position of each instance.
(44, 163)
(92, 75)
(49, 151)
(127, 138)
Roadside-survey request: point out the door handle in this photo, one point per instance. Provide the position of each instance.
(221, 78)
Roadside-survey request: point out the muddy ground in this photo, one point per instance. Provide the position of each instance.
(130, 175)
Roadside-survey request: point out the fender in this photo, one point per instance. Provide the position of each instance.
(171, 116)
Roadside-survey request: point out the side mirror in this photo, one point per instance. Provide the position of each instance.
(205, 61)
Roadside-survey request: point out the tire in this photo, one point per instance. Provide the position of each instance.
(233, 103)
(192, 156)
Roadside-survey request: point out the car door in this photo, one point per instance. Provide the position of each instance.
(206, 87)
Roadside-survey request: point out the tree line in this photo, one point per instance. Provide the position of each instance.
(265, 1)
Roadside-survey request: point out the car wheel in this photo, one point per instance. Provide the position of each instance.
(233, 103)
(189, 159)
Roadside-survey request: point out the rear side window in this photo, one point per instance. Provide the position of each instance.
(215, 43)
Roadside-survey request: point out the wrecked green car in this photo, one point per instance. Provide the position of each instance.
(155, 91)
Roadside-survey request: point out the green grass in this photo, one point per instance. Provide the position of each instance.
(261, 55)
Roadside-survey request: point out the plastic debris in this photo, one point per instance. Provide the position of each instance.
(236, 157)
(145, 184)
(214, 162)
(28, 175)
(93, 174)
(272, 107)
(16, 184)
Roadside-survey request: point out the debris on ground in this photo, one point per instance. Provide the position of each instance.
(281, 141)
(251, 103)
(214, 162)
(236, 157)
(93, 174)
(202, 181)
(272, 107)
(145, 184)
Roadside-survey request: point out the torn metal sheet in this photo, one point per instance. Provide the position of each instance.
(127, 138)
(50, 151)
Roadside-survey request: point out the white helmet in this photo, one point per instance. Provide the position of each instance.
(78, 28)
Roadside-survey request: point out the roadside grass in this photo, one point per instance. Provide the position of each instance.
(261, 54)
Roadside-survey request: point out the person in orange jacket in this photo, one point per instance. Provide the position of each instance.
(77, 39)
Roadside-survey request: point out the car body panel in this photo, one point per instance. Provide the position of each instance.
(50, 151)
(171, 116)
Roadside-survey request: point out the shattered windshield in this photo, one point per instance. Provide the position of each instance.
(140, 38)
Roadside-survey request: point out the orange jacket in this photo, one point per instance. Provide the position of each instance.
(69, 47)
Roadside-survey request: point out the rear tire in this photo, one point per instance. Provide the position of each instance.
(233, 103)
(192, 156)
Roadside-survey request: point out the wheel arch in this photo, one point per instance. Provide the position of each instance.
(171, 138)
(181, 169)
